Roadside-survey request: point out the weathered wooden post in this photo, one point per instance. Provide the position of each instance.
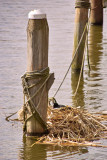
(96, 16)
(81, 18)
(37, 81)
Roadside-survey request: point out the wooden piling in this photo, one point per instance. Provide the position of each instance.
(96, 16)
(37, 61)
(81, 18)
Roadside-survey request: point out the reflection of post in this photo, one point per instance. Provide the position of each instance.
(81, 18)
(95, 45)
(78, 100)
(94, 83)
(43, 152)
(96, 16)
(32, 152)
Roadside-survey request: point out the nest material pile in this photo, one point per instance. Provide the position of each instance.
(72, 126)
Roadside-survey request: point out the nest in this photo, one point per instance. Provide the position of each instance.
(73, 126)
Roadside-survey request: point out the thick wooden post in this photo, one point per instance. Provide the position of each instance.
(81, 18)
(37, 60)
(96, 16)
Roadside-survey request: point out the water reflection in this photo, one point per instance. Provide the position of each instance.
(95, 46)
(77, 100)
(30, 152)
(93, 88)
(90, 89)
(47, 152)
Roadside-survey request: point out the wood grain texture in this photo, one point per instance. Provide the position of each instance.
(96, 16)
(37, 60)
(81, 18)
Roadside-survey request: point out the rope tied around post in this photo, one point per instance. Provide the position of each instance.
(42, 77)
(86, 30)
(82, 4)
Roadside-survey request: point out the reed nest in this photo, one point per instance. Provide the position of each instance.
(73, 127)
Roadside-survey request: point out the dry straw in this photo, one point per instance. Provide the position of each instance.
(70, 126)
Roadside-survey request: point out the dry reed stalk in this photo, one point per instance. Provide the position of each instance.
(70, 126)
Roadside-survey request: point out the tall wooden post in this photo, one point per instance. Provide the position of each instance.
(81, 18)
(37, 60)
(96, 16)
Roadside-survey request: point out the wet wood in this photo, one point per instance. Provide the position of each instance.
(96, 16)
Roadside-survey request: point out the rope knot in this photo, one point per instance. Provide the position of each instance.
(37, 79)
(82, 4)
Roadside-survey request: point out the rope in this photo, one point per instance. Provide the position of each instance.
(7, 118)
(73, 58)
(98, 4)
(86, 45)
(78, 84)
(82, 4)
(88, 49)
(42, 77)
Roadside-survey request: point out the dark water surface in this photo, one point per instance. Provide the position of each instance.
(92, 93)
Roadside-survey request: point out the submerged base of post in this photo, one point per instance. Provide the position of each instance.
(37, 134)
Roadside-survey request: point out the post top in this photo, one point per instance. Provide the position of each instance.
(36, 14)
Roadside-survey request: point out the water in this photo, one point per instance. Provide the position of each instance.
(93, 88)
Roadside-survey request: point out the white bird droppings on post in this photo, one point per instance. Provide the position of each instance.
(36, 14)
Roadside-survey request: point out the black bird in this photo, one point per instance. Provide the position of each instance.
(54, 103)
